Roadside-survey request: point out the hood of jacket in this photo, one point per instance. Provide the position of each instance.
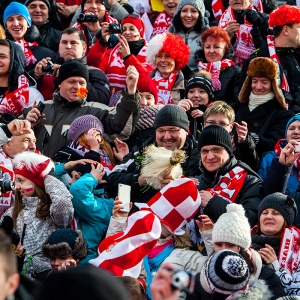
(32, 35)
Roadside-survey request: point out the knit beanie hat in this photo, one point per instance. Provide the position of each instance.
(136, 21)
(291, 120)
(83, 3)
(64, 243)
(233, 227)
(225, 272)
(72, 68)
(16, 8)
(83, 124)
(45, 1)
(200, 81)
(262, 67)
(283, 15)
(199, 4)
(172, 44)
(215, 135)
(171, 115)
(146, 84)
(33, 166)
(282, 203)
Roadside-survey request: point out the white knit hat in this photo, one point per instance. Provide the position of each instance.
(233, 227)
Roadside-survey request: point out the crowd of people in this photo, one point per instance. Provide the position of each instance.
(149, 155)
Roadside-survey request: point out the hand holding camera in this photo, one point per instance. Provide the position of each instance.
(42, 67)
(232, 27)
(290, 153)
(123, 49)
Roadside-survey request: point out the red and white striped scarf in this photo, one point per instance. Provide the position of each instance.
(14, 102)
(162, 23)
(165, 87)
(244, 45)
(116, 71)
(275, 58)
(229, 185)
(214, 68)
(30, 59)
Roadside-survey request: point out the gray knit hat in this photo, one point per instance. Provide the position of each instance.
(83, 124)
(199, 4)
(282, 203)
(171, 115)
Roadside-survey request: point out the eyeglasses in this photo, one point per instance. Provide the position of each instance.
(170, 131)
(213, 151)
(222, 124)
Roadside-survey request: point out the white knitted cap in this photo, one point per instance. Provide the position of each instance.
(233, 227)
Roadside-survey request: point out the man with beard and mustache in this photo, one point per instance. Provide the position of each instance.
(171, 132)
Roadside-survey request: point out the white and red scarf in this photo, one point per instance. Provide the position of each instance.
(214, 68)
(244, 45)
(116, 71)
(165, 87)
(162, 23)
(30, 59)
(229, 185)
(14, 102)
(289, 253)
(275, 58)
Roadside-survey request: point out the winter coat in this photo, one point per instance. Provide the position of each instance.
(50, 133)
(49, 36)
(38, 230)
(127, 172)
(92, 210)
(249, 196)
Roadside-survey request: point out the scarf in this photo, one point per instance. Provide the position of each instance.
(116, 71)
(256, 100)
(217, 8)
(14, 102)
(147, 117)
(244, 45)
(162, 23)
(275, 58)
(277, 149)
(214, 69)
(30, 59)
(229, 185)
(165, 87)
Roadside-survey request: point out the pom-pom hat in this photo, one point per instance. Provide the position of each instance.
(16, 8)
(33, 166)
(284, 15)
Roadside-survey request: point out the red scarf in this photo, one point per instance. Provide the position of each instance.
(214, 69)
(165, 87)
(217, 7)
(229, 185)
(275, 58)
(244, 45)
(30, 59)
(162, 23)
(14, 102)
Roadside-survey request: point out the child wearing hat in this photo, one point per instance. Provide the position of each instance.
(42, 205)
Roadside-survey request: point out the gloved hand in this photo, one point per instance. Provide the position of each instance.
(252, 17)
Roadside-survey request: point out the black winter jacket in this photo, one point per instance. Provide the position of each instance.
(249, 196)
(49, 36)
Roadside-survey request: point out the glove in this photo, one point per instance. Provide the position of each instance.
(252, 17)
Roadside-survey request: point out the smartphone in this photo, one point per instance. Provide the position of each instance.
(40, 107)
(124, 196)
(240, 17)
(297, 148)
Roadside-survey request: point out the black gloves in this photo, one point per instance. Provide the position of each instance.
(252, 17)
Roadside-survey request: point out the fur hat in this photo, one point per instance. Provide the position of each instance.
(33, 166)
(283, 15)
(233, 227)
(16, 8)
(64, 243)
(262, 67)
(173, 45)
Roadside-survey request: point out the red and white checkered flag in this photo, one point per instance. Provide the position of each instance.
(175, 204)
(122, 253)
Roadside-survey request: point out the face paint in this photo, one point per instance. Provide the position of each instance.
(28, 188)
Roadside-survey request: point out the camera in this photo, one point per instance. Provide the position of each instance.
(183, 281)
(87, 18)
(115, 28)
(6, 186)
(48, 68)
(240, 16)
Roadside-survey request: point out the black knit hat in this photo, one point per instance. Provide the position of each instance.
(45, 1)
(282, 203)
(171, 115)
(226, 272)
(64, 243)
(201, 82)
(72, 68)
(215, 135)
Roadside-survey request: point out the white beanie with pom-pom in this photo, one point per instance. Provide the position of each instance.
(233, 227)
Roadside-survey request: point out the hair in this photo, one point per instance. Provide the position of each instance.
(277, 29)
(72, 30)
(222, 108)
(251, 265)
(7, 256)
(2, 32)
(179, 26)
(42, 210)
(257, 230)
(4, 42)
(134, 288)
(216, 33)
